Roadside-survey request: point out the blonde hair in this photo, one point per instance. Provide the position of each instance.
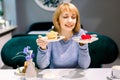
(66, 7)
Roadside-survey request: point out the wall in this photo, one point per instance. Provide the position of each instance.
(28, 12)
(102, 16)
(10, 11)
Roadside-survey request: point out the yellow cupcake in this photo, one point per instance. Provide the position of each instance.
(52, 35)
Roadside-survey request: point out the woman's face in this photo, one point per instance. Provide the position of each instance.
(67, 21)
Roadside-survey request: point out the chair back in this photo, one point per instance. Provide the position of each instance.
(102, 51)
(15, 45)
(40, 26)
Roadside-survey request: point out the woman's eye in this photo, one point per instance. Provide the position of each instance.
(65, 16)
(73, 17)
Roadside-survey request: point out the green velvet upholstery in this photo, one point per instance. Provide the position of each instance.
(102, 51)
(14, 45)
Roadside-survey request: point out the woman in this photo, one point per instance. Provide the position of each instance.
(65, 53)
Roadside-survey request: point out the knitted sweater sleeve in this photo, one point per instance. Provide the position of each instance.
(84, 57)
(43, 58)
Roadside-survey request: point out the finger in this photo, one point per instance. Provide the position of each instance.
(81, 44)
(36, 40)
(39, 36)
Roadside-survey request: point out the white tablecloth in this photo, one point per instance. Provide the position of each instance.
(61, 74)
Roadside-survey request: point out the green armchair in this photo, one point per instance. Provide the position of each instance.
(102, 51)
(15, 45)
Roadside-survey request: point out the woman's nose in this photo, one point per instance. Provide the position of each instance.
(69, 19)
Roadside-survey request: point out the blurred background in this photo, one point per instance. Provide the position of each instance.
(101, 16)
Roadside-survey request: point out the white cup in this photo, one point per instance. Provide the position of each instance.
(116, 71)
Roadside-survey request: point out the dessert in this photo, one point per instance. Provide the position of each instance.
(52, 35)
(86, 36)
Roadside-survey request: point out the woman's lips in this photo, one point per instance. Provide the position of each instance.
(69, 26)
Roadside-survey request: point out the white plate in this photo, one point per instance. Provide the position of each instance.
(18, 71)
(63, 74)
(86, 41)
(52, 40)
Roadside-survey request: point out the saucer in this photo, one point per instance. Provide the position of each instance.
(85, 41)
(52, 40)
(19, 72)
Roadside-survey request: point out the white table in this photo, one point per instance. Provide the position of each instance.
(38, 32)
(69, 74)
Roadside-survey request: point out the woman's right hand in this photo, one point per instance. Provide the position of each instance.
(42, 43)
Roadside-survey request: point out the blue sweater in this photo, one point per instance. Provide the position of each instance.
(64, 54)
